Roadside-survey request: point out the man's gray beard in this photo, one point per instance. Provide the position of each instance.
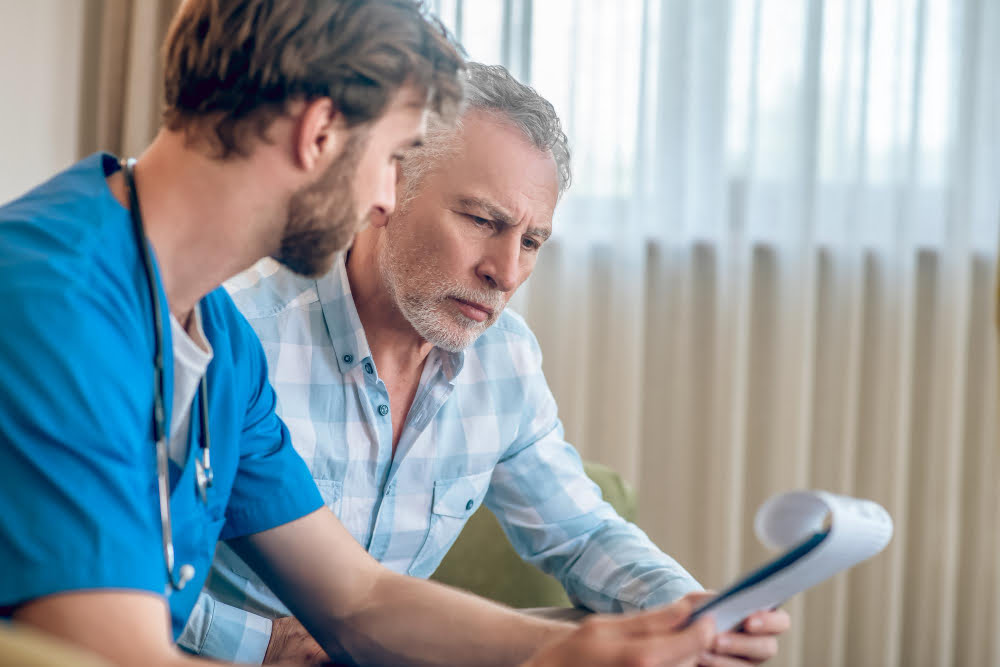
(423, 313)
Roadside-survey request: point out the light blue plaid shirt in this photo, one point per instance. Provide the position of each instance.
(482, 428)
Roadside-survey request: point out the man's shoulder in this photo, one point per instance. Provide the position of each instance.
(63, 226)
(68, 254)
(268, 288)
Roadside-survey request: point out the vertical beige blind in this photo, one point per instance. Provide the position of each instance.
(747, 391)
(123, 75)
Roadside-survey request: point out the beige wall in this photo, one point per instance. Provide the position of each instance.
(41, 74)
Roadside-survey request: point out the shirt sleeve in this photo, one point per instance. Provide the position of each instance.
(556, 519)
(222, 632)
(78, 503)
(272, 485)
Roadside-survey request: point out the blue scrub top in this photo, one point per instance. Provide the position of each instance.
(78, 500)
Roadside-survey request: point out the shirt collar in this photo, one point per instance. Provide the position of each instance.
(344, 325)
(342, 321)
(451, 363)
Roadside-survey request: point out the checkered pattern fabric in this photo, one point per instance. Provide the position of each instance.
(483, 428)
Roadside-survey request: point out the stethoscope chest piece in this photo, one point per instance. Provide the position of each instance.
(204, 478)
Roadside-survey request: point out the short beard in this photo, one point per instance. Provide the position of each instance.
(323, 216)
(422, 308)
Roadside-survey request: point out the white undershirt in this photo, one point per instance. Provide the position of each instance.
(192, 354)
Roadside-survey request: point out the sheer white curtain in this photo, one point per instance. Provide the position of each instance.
(775, 269)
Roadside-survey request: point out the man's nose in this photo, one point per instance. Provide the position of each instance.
(385, 194)
(501, 268)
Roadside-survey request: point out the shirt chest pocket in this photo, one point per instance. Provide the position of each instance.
(454, 501)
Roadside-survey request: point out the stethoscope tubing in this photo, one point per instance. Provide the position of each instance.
(204, 476)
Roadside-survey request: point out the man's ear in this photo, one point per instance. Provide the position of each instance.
(320, 134)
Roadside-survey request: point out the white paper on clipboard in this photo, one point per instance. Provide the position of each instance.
(821, 534)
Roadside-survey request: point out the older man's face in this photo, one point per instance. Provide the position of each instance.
(471, 234)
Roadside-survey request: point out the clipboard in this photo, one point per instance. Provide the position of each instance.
(821, 534)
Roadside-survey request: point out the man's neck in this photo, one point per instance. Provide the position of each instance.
(395, 345)
(206, 220)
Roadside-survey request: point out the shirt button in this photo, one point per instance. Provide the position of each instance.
(468, 505)
(348, 358)
(383, 409)
(369, 368)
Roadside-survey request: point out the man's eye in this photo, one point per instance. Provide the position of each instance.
(530, 243)
(480, 222)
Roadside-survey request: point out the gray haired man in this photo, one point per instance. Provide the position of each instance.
(414, 396)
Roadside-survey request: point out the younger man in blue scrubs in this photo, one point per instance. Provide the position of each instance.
(283, 125)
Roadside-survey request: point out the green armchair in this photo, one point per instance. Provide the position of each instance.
(483, 561)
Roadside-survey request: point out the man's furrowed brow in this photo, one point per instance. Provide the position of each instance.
(501, 216)
(492, 210)
(541, 232)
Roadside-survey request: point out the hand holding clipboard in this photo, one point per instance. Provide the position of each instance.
(822, 534)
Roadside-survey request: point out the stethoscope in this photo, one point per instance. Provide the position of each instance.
(203, 468)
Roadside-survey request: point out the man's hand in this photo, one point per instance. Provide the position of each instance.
(754, 643)
(290, 643)
(654, 638)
